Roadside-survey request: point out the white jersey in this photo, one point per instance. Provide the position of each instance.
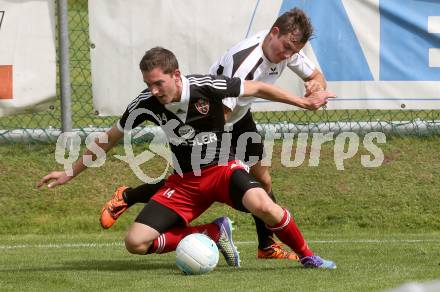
(247, 61)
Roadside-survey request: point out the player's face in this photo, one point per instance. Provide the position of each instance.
(281, 47)
(165, 87)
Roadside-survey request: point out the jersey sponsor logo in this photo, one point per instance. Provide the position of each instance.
(202, 105)
(186, 132)
(199, 140)
(203, 139)
(273, 71)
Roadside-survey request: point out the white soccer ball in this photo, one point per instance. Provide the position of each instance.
(196, 254)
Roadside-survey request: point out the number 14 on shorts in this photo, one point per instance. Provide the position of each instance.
(168, 192)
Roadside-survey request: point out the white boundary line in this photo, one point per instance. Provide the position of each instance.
(110, 244)
(61, 245)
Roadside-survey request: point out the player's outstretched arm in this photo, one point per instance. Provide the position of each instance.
(270, 92)
(56, 178)
(315, 82)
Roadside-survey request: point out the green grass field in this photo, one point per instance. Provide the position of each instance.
(380, 225)
(99, 262)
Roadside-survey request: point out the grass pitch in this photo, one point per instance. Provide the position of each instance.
(380, 225)
(366, 262)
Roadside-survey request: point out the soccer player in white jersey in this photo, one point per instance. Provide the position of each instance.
(262, 57)
(164, 220)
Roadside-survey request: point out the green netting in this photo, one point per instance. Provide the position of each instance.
(46, 124)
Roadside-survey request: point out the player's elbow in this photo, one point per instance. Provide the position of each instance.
(252, 88)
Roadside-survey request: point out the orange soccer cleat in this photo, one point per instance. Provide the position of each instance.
(276, 251)
(113, 208)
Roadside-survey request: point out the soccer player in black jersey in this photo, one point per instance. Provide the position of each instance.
(164, 220)
(261, 57)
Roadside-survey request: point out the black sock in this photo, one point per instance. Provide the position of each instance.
(142, 193)
(265, 236)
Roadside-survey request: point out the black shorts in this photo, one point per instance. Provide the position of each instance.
(159, 217)
(249, 148)
(240, 182)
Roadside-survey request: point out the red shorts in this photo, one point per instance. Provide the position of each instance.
(190, 195)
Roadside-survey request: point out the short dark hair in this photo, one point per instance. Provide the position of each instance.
(295, 19)
(159, 57)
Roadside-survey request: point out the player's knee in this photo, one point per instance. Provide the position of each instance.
(266, 208)
(270, 213)
(130, 245)
(136, 246)
(259, 203)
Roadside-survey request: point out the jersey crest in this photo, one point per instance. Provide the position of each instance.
(202, 105)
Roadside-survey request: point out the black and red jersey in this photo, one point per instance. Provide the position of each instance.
(194, 126)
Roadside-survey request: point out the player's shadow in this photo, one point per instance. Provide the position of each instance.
(247, 268)
(117, 265)
(135, 265)
(100, 265)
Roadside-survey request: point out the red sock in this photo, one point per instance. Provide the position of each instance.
(169, 240)
(288, 232)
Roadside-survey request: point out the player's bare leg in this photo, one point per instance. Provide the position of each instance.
(159, 229)
(139, 238)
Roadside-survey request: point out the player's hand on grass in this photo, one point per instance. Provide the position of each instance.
(317, 99)
(311, 87)
(54, 178)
